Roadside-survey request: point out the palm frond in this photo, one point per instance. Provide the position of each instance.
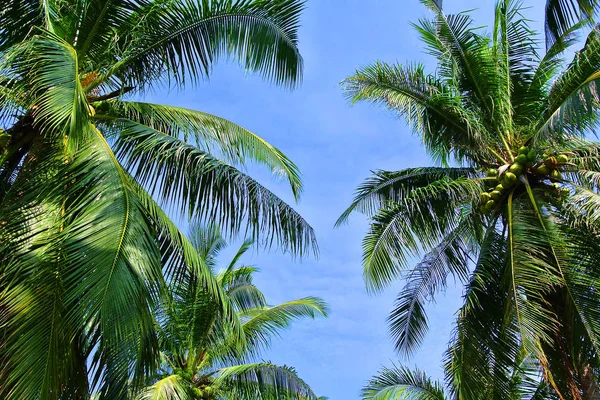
(261, 324)
(407, 321)
(172, 387)
(395, 186)
(402, 383)
(261, 35)
(418, 223)
(573, 99)
(210, 133)
(264, 381)
(430, 106)
(561, 15)
(208, 189)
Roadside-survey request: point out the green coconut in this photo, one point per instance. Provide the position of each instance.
(509, 178)
(516, 169)
(524, 150)
(490, 204)
(531, 155)
(496, 195)
(500, 188)
(556, 174)
(485, 197)
(521, 159)
(529, 164)
(565, 191)
(492, 172)
(555, 186)
(543, 170)
(562, 158)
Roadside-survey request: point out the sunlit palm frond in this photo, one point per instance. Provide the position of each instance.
(263, 381)
(428, 104)
(263, 323)
(209, 133)
(202, 186)
(429, 213)
(261, 35)
(395, 186)
(402, 383)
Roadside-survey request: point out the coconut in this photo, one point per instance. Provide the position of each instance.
(529, 164)
(485, 197)
(531, 155)
(509, 177)
(490, 204)
(516, 169)
(524, 150)
(543, 170)
(562, 158)
(565, 191)
(496, 195)
(556, 174)
(500, 187)
(521, 159)
(555, 186)
(492, 172)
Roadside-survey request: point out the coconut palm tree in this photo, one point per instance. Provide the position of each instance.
(400, 382)
(512, 209)
(201, 358)
(86, 171)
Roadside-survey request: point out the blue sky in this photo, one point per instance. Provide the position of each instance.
(335, 146)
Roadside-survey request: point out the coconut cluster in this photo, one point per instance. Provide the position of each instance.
(526, 162)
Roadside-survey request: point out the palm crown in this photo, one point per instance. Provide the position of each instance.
(202, 354)
(85, 250)
(522, 198)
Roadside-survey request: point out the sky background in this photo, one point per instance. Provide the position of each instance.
(336, 146)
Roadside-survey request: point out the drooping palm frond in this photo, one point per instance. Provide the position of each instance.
(430, 213)
(263, 381)
(172, 387)
(408, 321)
(395, 186)
(402, 383)
(210, 133)
(561, 15)
(427, 103)
(573, 98)
(204, 187)
(261, 35)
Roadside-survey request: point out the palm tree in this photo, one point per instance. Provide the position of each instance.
(85, 244)
(512, 210)
(202, 357)
(400, 382)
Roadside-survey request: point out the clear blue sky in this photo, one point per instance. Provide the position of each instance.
(335, 146)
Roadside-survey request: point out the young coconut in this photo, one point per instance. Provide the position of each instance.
(562, 159)
(509, 180)
(543, 170)
(490, 204)
(531, 155)
(500, 187)
(496, 195)
(521, 159)
(492, 173)
(524, 150)
(516, 169)
(556, 174)
(485, 197)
